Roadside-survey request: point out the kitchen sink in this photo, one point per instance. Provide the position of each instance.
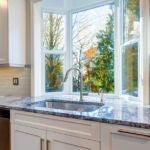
(72, 106)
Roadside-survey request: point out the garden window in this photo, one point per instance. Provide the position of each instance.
(95, 36)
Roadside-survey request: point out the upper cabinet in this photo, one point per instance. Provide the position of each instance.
(13, 35)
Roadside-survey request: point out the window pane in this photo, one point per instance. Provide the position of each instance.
(93, 48)
(130, 70)
(131, 21)
(53, 31)
(53, 73)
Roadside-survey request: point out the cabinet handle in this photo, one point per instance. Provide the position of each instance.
(134, 133)
(41, 144)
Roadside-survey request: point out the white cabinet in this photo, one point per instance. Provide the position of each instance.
(57, 141)
(27, 138)
(13, 44)
(115, 137)
(30, 131)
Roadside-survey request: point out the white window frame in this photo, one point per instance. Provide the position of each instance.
(143, 60)
(69, 16)
(145, 52)
(51, 52)
(123, 44)
(144, 44)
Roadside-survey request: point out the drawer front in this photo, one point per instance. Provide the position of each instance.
(57, 141)
(116, 137)
(74, 127)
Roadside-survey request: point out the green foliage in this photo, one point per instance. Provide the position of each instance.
(132, 15)
(53, 72)
(102, 72)
(130, 69)
(52, 31)
(130, 53)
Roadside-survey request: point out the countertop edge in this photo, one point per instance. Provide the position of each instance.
(74, 116)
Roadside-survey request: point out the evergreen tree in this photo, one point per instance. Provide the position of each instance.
(102, 73)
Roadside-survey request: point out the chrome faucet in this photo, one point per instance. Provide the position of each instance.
(81, 81)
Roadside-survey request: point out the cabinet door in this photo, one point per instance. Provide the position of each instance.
(4, 56)
(124, 138)
(57, 141)
(27, 138)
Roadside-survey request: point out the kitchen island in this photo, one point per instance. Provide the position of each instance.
(118, 125)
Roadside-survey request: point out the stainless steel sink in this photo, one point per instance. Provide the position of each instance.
(72, 106)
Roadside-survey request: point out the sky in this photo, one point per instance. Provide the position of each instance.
(86, 25)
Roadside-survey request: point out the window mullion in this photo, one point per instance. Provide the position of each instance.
(121, 42)
(43, 72)
(68, 54)
(144, 53)
(130, 42)
(53, 52)
(118, 28)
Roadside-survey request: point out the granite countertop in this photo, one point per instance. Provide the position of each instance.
(114, 111)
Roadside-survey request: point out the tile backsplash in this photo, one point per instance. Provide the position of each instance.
(6, 81)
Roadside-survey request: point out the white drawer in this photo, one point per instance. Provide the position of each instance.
(74, 127)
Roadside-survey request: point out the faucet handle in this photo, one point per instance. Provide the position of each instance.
(102, 92)
(102, 100)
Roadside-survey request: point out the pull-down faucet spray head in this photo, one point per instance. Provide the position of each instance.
(81, 82)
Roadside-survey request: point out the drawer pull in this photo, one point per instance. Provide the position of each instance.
(47, 144)
(41, 144)
(134, 133)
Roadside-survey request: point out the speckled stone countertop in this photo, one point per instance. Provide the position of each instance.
(114, 111)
